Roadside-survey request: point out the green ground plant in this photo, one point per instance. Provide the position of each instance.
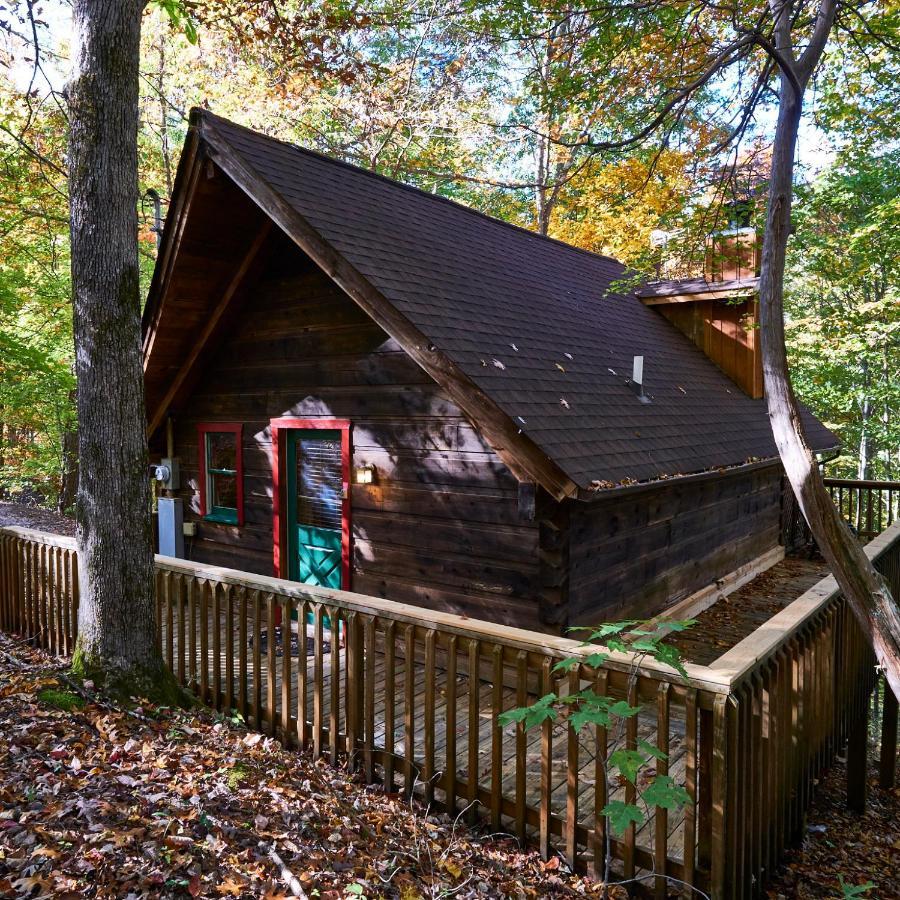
(58, 698)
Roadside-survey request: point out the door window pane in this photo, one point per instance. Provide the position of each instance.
(319, 482)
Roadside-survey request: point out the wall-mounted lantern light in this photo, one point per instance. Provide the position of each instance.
(365, 474)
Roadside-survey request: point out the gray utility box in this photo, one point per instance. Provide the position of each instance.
(171, 527)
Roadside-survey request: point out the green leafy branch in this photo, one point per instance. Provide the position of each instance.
(177, 11)
(587, 709)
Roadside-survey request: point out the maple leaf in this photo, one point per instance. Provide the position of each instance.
(232, 885)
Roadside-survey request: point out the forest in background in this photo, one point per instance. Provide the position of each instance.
(458, 99)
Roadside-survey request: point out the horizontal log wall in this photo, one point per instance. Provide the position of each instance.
(641, 550)
(439, 528)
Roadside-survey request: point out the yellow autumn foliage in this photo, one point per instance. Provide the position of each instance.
(613, 208)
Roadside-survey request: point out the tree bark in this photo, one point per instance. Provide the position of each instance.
(116, 627)
(864, 589)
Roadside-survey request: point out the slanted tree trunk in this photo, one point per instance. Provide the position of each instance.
(862, 586)
(116, 628)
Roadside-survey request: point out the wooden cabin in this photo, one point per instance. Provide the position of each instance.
(374, 388)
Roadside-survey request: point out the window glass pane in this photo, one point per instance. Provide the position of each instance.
(223, 491)
(221, 450)
(319, 482)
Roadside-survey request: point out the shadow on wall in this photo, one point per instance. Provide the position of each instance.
(439, 524)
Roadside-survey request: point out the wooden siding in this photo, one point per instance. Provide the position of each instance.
(439, 528)
(639, 551)
(719, 329)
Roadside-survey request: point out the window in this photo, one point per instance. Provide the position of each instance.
(221, 473)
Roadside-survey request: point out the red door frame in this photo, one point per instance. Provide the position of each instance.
(279, 427)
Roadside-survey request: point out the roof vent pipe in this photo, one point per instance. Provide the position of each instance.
(637, 378)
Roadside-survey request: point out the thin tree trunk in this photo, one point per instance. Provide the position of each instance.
(68, 483)
(863, 587)
(164, 113)
(116, 627)
(864, 467)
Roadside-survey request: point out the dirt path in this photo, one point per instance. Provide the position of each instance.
(35, 517)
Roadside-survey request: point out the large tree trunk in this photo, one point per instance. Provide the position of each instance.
(116, 628)
(863, 587)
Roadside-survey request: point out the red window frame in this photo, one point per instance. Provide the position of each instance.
(278, 429)
(235, 428)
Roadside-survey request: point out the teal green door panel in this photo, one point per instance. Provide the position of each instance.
(314, 503)
(318, 556)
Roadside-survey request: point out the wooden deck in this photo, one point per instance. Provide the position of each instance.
(416, 698)
(718, 629)
(732, 618)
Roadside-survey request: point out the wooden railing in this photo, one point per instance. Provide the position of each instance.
(799, 690)
(412, 699)
(868, 506)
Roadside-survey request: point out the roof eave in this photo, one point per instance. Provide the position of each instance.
(185, 177)
(692, 291)
(592, 495)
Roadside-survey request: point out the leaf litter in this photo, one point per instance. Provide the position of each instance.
(840, 844)
(97, 801)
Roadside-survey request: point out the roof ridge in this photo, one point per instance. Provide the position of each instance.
(198, 112)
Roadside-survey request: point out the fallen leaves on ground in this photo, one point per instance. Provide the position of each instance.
(841, 843)
(99, 802)
(35, 517)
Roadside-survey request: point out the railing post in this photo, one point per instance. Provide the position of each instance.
(719, 798)
(355, 688)
(856, 761)
(704, 791)
(4, 583)
(888, 767)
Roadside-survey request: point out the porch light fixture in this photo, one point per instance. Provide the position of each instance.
(365, 474)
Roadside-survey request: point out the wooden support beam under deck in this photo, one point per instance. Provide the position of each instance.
(888, 763)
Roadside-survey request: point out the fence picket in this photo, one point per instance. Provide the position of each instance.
(257, 660)
(303, 614)
(286, 705)
(450, 742)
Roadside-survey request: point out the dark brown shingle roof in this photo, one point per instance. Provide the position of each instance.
(536, 324)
